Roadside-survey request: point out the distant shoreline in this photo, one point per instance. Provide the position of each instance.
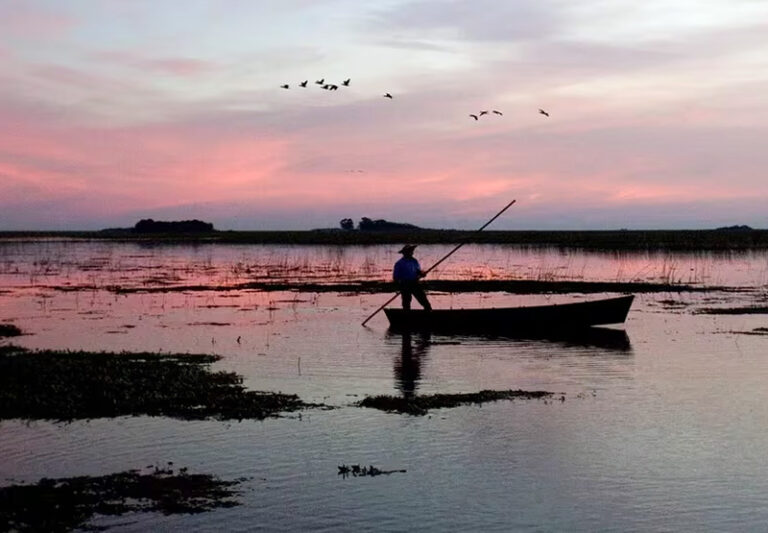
(682, 240)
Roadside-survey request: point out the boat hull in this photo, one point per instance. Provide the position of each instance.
(560, 317)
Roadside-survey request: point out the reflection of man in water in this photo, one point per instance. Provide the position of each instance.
(407, 273)
(408, 367)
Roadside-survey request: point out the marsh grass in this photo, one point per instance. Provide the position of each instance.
(66, 504)
(421, 405)
(64, 386)
(188, 267)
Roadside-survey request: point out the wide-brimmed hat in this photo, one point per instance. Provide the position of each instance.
(407, 248)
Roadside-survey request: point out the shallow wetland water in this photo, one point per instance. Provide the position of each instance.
(657, 425)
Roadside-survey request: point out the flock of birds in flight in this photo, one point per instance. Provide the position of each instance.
(333, 87)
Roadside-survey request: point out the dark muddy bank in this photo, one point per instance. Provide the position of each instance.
(71, 503)
(421, 405)
(64, 386)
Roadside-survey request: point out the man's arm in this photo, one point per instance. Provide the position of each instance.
(421, 272)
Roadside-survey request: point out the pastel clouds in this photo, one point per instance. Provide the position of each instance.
(178, 66)
(155, 110)
(25, 19)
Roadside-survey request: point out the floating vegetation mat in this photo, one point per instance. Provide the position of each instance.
(64, 386)
(420, 405)
(70, 503)
(9, 330)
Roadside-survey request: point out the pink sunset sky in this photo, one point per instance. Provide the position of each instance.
(113, 111)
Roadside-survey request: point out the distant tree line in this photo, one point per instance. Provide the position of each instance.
(735, 228)
(148, 225)
(366, 224)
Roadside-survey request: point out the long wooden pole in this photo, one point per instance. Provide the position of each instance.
(446, 256)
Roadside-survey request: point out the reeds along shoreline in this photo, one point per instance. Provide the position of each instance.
(683, 240)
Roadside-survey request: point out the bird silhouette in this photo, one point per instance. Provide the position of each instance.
(387, 95)
(333, 87)
(327, 86)
(303, 83)
(498, 112)
(483, 113)
(345, 83)
(284, 86)
(321, 81)
(543, 112)
(473, 116)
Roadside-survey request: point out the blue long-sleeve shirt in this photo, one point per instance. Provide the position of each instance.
(406, 269)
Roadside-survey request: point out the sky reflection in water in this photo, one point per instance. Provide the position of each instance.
(663, 424)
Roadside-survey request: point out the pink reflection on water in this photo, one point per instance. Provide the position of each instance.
(114, 266)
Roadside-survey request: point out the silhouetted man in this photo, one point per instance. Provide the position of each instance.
(407, 273)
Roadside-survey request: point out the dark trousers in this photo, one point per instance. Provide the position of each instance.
(409, 289)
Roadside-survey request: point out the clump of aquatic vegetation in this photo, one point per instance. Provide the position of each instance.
(9, 330)
(71, 503)
(363, 471)
(69, 385)
(421, 405)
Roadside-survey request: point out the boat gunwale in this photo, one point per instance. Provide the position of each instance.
(605, 301)
(565, 316)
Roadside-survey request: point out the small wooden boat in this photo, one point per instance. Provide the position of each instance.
(542, 318)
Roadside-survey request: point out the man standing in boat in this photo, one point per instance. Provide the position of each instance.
(406, 274)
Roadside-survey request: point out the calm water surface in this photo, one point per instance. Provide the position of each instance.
(663, 428)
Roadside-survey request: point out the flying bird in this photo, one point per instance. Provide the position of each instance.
(327, 86)
(321, 81)
(284, 86)
(483, 113)
(387, 95)
(345, 83)
(498, 112)
(333, 87)
(473, 116)
(303, 83)
(543, 112)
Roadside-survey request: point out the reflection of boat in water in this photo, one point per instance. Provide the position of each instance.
(414, 348)
(605, 338)
(542, 319)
